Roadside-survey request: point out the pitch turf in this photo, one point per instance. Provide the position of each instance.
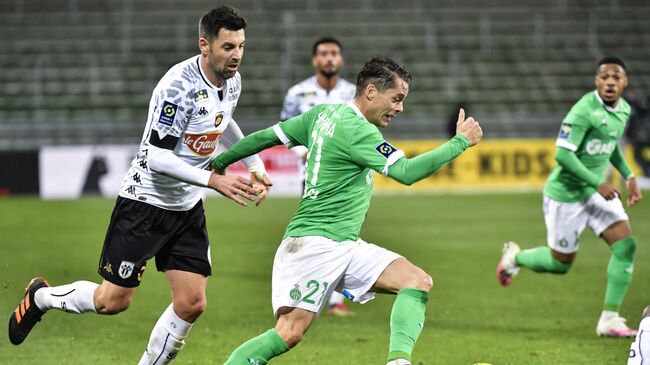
(541, 319)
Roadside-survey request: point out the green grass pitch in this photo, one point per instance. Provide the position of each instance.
(540, 319)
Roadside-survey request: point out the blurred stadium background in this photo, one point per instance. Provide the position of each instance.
(75, 81)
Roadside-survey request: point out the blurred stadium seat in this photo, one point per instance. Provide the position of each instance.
(81, 71)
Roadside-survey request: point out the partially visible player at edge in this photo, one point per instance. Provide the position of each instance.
(577, 194)
(325, 87)
(159, 210)
(640, 348)
(321, 251)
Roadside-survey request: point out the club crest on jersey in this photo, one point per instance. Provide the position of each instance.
(202, 144)
(218, 119)
(385, 149)
(126, 269)
(167, 113)
(565, 130)
(201, 95)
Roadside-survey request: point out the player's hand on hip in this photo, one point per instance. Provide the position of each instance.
(468, 128)
(608, 191)
(633, 191)
(262, 186)
(233, 187)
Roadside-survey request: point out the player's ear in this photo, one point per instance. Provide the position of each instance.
(204, 46)
(371, 91)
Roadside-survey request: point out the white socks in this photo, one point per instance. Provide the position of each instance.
(75, 298)
(167, 338)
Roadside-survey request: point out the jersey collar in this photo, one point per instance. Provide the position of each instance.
(609, 108)
(356, 110)
(204, 77)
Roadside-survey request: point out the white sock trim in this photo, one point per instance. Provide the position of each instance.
(77, 297)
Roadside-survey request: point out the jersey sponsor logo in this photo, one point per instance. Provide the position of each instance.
(596, 146)
(565, 131)
(202, 144)
(218, 119)
(126, 269)
(167, 113)
(200, 95)
(385, 149)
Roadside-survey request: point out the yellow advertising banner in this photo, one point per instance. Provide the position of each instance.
(503, 164)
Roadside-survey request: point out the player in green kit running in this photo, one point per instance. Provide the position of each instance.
(576, 195)
(321, 251)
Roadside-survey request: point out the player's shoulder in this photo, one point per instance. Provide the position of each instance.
(582, 109)
(302, 87)
(182, 76)
(624, 106)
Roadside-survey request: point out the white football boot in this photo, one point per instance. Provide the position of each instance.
(507, 268)
(614, 327)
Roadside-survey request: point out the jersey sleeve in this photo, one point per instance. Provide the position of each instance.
(169, 111)
(295, 131)
(573, 130)
(368, 148)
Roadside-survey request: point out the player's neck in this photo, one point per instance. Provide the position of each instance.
(327, 83)
(215, 80)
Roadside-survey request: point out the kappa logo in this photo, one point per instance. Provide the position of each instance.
(385, 149)
(202, 144)
(203, 111)
(126, 269)
(168, 113)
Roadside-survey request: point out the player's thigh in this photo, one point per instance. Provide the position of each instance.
(189, 248)
(565, 222)
(306, 270)
(401, 274)
(608, 219)
(369, 262)
(135, 234)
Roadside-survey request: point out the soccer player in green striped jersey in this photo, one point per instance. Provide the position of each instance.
(577, 194)
(321, 251)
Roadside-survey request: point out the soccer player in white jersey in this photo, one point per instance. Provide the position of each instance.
(159, 210)
(640, 348)
(325, 87)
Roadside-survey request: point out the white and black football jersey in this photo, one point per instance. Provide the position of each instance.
(308, 93)
(187, 115)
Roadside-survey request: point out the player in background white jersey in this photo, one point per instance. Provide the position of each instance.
(325, 87)
(640, 348)
(159, 210)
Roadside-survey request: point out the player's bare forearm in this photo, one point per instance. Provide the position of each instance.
(247, 146)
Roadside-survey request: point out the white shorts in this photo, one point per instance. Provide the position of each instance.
(640, 348)
(566, 221)
(307, 269)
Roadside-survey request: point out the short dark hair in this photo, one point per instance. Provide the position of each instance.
(323, 41)
(612, 60)
(381, 71)
(224, 16)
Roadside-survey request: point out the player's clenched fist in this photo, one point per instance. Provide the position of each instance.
(468, 128)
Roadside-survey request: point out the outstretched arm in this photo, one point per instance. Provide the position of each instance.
(247, 146)
(408, 171)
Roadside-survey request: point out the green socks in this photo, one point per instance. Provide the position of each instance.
(259, 350)
(540, 259)
(406, 322)
(619, 272)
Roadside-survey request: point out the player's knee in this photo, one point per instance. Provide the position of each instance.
(292, 337)
(190, 308)
(559, 267)
(425, 282)
(418, 279)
